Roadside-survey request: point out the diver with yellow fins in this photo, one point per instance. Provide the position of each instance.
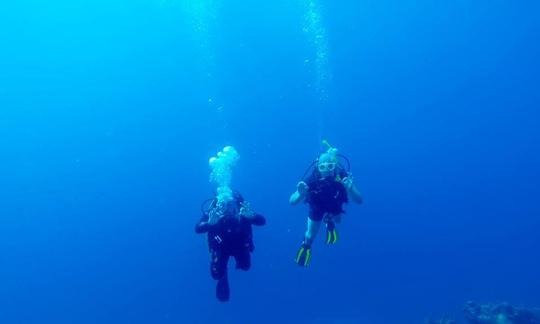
(328, 187)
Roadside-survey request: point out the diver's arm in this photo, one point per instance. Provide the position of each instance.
(355, 195)
(352, 191)
(258, 220)
(203, 226)
(295, 198)
(300, 193)
(252, 217)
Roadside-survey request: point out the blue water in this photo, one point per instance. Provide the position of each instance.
(109, 111)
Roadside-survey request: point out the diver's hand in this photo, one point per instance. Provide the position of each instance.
(348, 182)
(246, 211)
(352, 191)
(302, 188)
(213, 217)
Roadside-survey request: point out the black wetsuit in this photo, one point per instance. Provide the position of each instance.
(232, 236)
(326, 195)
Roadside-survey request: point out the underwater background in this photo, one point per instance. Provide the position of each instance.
(110, 110)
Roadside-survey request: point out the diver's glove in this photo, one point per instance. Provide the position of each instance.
(246, 211)
(303, 256)
(214, 215)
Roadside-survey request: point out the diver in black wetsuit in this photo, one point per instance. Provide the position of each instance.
(325, 191)
(228, 225)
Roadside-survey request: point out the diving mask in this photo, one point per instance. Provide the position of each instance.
(326, 166)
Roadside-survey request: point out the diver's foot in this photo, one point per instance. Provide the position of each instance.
(331, 233)
(223, 291)
(303, 256)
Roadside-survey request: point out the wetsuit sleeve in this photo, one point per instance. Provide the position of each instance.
(258, 220)
(203, 226)
(310, 181)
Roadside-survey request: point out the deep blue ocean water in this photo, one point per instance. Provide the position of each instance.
(109, 111)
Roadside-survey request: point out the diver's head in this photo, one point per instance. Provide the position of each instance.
(327, 164)
(225, 209)
(230, 208)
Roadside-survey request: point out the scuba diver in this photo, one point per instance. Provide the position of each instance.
(229, 234)
(227, 220)
(328, 187)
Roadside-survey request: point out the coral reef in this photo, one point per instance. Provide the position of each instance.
(444, 320)
(502, 313)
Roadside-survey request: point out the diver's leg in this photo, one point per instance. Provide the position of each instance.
(218, 269)
(330, 221)
(312, 230)
(243, 259)
(331, 232)
(223, 291)
(303, 256)
(218, 264)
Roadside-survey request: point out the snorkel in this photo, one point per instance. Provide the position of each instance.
(330, 154)
(221, 174)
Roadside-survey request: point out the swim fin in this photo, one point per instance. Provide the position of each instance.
(222, 289)
(303, 257)
(331, 233)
